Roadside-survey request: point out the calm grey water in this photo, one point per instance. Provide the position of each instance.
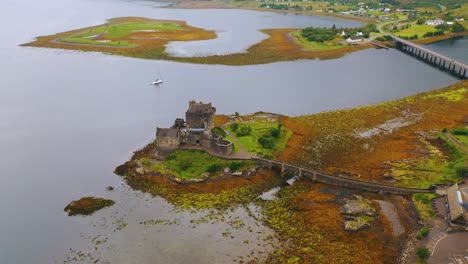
(68, 118)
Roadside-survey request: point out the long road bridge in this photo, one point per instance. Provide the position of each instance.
(321, 177)
(446, 63)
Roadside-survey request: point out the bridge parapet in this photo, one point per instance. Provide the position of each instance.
(453, 66)
(321, 177)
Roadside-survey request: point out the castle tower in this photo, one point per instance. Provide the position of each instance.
(200, 115)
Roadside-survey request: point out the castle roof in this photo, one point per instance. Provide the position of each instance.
(167, 132)
(200, 108)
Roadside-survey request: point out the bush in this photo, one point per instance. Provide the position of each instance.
(444, 130)
(462, 171)
(235, 165)
(219, 131)
(461, 131)
(457, 27)
(243, 130)
(146, 162)
(213, 168)
(235, 126)
(423, 253)
(266, 142)
(185, 164)
(423, 233)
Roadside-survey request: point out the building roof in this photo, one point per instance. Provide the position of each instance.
(200, 107)
(456, 209)
(167, 132)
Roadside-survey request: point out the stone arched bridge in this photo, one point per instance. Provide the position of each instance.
(335, 180)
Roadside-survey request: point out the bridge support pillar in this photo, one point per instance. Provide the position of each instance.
(314, 177)
(464, 73)
(300, 173)
(269, 165)
(283, 170)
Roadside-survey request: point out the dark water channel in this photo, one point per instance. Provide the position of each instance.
(68, 118)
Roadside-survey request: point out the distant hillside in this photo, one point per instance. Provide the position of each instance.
(450, 4)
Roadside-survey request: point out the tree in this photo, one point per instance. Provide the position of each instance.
(457, 27)
(423, 253)
(334, 26)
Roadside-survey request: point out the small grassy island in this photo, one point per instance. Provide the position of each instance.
(126, 36)
(87, 206)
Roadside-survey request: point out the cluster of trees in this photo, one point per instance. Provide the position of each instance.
(434, 33)
(384, 38)
(415, 36)
(241, 129)
(319, 34)
(457, 27)
(327, 34)
(275, 6)
(268, 140)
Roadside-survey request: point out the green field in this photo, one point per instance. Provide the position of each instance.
(262, 127)
(419, 30)
(191, 164)
(436, 169)
(113, 31)
(313, 45)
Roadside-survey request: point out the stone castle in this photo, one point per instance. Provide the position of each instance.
(195, 131)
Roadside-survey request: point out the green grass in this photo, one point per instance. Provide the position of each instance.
(462, 139)
(419, 30)
(191, 164)
(313, 45)
(260, 127)
(422, 201)
(118, 31)
(421, 173)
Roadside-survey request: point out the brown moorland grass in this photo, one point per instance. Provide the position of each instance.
(328, 141)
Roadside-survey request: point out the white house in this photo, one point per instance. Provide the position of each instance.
(343, 33)
(459, 19)
(449, 23)
(359, 33)
(354, 40)
(435, 22)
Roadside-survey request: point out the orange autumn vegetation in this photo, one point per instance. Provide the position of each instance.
(328, 141)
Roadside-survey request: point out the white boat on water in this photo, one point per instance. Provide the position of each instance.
(157, 81)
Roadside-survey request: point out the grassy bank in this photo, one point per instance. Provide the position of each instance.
(192, 164)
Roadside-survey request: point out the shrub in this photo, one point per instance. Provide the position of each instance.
(423, 253)
(184, 164)
(213, 168)
(243, 130)
(423, 233)
(146, 162)
(219, 131)
(444, 130)
(235, 126)
(462, 171)
(235, 165)
(462, 131)
(266, 142)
